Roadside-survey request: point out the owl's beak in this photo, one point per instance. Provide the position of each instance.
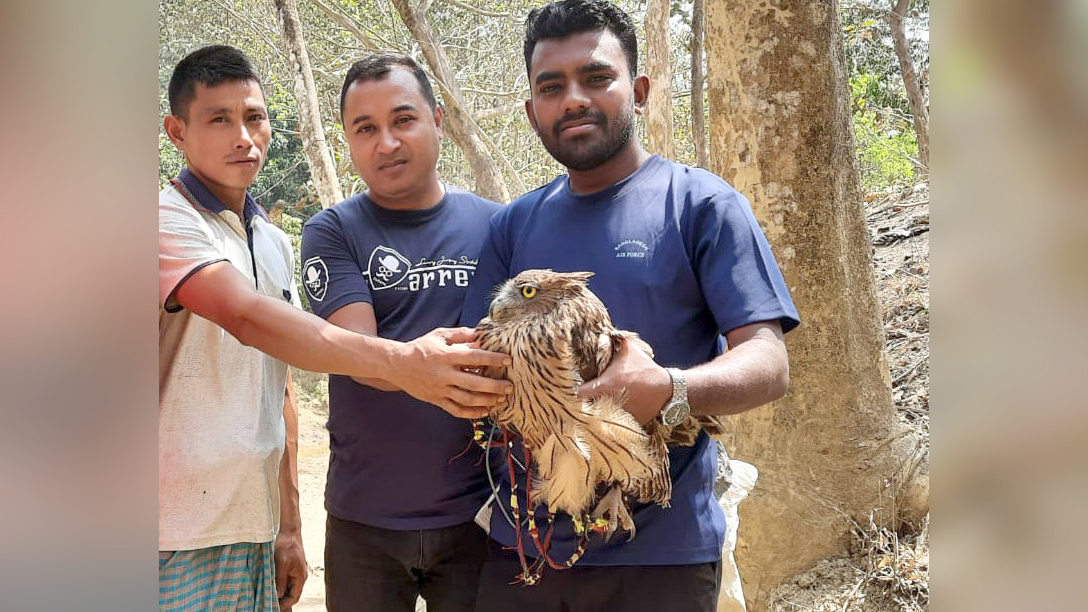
(497, 307)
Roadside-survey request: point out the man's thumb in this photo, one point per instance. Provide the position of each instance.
(588, 389)
(458, 335)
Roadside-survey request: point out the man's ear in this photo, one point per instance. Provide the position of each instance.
(438, 119)
(175, 130)
(642, 93)
(530, 114)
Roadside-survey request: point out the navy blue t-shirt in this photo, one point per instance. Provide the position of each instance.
(392, 456)
(680, 259)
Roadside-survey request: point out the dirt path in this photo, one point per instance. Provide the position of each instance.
(313, 465)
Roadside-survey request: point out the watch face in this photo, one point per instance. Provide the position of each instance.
(674, 413)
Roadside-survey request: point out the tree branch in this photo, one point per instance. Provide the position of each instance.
(910, 81)
(314, 145)
(698, 114)
(499, 111)
(254, 24)
(503, 94)
(477, 10)
(348, 23)
(480, 152)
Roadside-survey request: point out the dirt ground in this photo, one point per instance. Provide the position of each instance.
(313, 465)
(885, 572)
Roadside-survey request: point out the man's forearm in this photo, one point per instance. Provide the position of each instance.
(290, 513)
(431, 368)
(311, 343)
(751, 374)
(377, 383)
(290, 555)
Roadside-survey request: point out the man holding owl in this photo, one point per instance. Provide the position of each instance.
(677, 257)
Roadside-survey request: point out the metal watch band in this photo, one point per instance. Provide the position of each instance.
(677, 409)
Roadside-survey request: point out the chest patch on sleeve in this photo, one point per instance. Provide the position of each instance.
(315, 277)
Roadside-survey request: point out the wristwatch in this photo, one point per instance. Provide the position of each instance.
(677, 410)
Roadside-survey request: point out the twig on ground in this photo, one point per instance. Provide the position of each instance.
(896, 205)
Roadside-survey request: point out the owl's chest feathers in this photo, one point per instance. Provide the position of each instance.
(545, 377)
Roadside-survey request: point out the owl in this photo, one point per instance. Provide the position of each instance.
(588, 458)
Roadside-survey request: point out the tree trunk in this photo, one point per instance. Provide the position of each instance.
(659, 105)
(458, 122)
(309, 115)
(698, 115)
(910, 81)
(832, 451)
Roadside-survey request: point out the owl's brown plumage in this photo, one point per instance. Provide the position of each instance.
(559, 334)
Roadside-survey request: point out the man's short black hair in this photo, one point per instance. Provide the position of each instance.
(566, 17)
(209, 66)
(376, 67)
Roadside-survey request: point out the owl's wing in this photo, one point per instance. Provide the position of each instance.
(589, 354)
(685, 433)
(715, 425)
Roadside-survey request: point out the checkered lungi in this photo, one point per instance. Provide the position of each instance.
(232, 577)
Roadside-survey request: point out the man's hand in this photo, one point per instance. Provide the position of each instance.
(647, 385)
(291, 569)
(433, 368)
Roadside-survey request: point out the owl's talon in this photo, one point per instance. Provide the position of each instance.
(611, 513)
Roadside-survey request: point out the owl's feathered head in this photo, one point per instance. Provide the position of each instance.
(535, 293)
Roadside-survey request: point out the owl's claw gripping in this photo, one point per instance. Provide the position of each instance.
(611, 513)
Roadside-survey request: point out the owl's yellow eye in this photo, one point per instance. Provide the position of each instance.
(528, 292)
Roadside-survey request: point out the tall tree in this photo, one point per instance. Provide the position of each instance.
(658, 67)
(313, 134)
(458, 123)
(910, 80)
(832, 451)
(698, 114)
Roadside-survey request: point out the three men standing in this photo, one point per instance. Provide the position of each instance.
(678, 257)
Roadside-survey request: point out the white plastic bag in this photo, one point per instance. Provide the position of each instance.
(731, 598)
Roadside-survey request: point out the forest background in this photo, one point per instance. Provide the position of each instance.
(481, 42)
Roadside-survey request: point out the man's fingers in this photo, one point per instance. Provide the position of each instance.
(455, 335)
(473, 383)
(472, 412)
(588, 389)
(291, 597)
(462, 411)
(476, 399)
(281, 584)
(480, 357)
(471, 401)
